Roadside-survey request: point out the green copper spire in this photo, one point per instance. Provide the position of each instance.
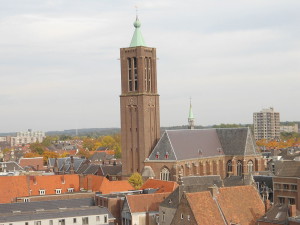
(137, 39)
(191, 114)
(191, 117)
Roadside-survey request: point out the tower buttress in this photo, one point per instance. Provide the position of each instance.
(139, 103)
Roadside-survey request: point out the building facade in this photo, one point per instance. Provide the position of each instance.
(266, 124)
(139, 103)
(27, 137)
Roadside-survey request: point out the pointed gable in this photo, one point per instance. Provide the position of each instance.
(250, 148)
(162, 148)
(233, 140)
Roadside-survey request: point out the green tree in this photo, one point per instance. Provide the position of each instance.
(37, 148)
(136, 180)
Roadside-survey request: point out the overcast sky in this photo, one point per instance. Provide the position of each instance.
(59, 62)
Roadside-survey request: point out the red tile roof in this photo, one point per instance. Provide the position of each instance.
(12, 187)
(145, 202)
(103, 185)
(161, 185)
(204, 208)
(37, 163)
(241, 204)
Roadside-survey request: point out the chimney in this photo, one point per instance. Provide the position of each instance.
(72, 165)
(292, 210)
(214, 190)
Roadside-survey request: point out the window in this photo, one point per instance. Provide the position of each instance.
(85, 220)
(292, 201)
(74, 220)
(163, 216)
(97, 218)
(37, 222)
(286, 186)
(164, 174)
(239, 168)
(135, 74)
(26, 223)
(50, 222)
(250, 166)
(105, 219)
(42, 192)
(26, 200)
(294, 187)
(181, 216)
(229, 167)
(277, 186)
(61, 222)
(281, 200)
(129, 74)
(70, 190)
(57, 191)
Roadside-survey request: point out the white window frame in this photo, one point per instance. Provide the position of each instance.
(70, 190)
(42, 192)
(58, 191)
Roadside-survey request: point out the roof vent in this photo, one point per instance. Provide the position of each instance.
(16, 211)
(39, 210)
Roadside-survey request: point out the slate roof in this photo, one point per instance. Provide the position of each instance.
(58, 213)
(10, 166)
(145, 202)
(288, 169)
(190, 144)
(46, 205)
(278, 214)
(238, 180)
(111, 169)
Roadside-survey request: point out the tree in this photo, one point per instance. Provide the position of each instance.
(136, 180)
(37, 148)
(48, 154)
(83, 153)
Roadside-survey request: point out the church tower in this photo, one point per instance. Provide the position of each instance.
(139, 103)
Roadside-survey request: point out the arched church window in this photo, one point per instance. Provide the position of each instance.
(239, 168)
(250, 166)
(229, 167)
(165, 174)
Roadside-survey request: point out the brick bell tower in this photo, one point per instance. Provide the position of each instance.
(139, 103)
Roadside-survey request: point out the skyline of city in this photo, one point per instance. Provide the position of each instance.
(60, 69)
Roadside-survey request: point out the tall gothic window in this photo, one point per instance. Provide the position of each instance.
(239, 168)
(129, 74)
(165, 174)
(135, 74)
(250, 166)
(229, 167)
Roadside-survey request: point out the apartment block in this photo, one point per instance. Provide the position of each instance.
(266, 124)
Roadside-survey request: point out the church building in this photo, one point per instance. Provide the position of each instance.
(188, 152)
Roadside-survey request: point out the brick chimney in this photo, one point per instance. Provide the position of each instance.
(292, 210)
(214, 191)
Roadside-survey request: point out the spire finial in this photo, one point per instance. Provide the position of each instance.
(137, 39)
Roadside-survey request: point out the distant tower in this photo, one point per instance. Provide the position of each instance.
(191, 118)
(139, 103)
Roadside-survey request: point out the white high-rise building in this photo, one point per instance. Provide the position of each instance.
(266, 124)
(28, 137)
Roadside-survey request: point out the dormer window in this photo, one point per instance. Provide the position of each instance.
(200, 152)
(58, 191)
(167, 155)
(70, 190)
(157, 155)
(42, 192)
